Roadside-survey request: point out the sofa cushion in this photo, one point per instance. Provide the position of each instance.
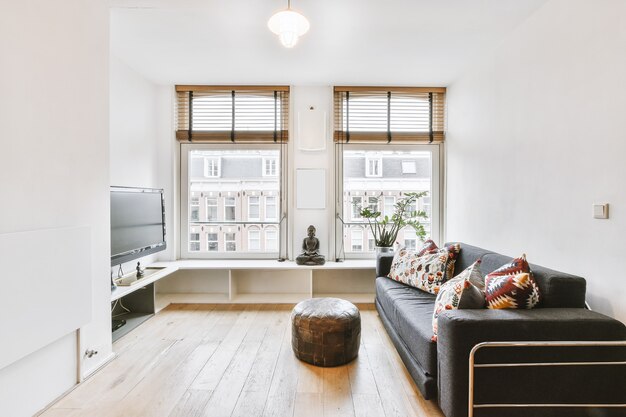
(428, 247)
(558, 289)
(466, 290)
(512, 286)
(411, 311)
(427, 272)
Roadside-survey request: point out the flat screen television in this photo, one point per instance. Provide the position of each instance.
(137, 223)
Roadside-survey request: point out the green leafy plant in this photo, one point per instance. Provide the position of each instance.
(385, 229)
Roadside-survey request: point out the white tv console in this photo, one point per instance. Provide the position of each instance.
(242, 281)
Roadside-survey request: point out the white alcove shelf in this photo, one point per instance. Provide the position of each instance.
(265, 281)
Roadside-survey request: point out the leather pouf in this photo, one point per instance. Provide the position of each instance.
(326, 331)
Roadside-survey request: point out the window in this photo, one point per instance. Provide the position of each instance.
(388, 189)
(371, 243)
(254, 239)
(410, 238)
(194, 242)
(231, 140)
(271, 240)
(212, 167)
(427, 206)
(212, 242)
(225, 209)
(409, 167)
(194, 209)
(374, 167)
(412, 207)
(390, 206)
(230, 242)
(235, 114)
(372, 203)
(270, 167)
(211, 209)
(270, 208)
(356, 204)
(229, 209)
(254, 208)
(389, 115)
(356, 237)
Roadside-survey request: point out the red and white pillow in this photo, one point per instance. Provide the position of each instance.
(512, 286)
(427, 272)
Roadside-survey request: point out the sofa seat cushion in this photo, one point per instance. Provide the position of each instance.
(411, 312)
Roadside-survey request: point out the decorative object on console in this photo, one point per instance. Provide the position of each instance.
(428, 272)
(512, 286)
(464, 291)
(385, 229)
(310, 246)
(289, 25)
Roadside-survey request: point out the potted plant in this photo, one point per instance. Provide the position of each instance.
(385, 229)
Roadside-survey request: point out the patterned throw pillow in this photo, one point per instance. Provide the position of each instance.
(512, 286)
(429, 247)
(426, 272)
(464, 291)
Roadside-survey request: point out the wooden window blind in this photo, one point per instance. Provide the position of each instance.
(389, 114)
(218, 114)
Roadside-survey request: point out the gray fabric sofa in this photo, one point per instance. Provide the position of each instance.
(440, 369)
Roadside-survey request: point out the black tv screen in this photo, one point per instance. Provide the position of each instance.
(137, 223)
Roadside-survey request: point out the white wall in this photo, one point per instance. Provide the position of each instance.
(141, 140)
(536, 135)
(321, 99)
(54, 167)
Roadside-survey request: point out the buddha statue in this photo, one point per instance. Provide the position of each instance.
(310, 246)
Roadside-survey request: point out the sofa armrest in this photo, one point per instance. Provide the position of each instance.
(460, 330)
(383, 264)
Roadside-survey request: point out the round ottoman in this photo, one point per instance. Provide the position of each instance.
(326, 331)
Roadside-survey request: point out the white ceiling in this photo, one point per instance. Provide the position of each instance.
(351, 42)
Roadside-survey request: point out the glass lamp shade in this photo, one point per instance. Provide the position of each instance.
(289, 26)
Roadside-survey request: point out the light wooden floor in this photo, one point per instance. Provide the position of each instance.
(236, 360)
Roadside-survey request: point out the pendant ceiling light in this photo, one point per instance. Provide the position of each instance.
(289, 25)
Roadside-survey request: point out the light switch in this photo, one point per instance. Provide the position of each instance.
(601, 211)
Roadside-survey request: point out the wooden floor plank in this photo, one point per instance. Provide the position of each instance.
(191, 404)
(337, 396)
(309, 404)
(226, 393)
(215, 360)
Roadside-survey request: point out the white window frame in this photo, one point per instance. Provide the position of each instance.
(209, 241)
(273, 231)
(275, 214)
(386, 210)
(273, 167)
(227, 241)
(195, 241)
(209, 206)
(229, 205)
(353, 214)
(258, 207)
(409, 169)
(371, 242)
(412, 237)
(354, 231)
(212, 166)
(257, 233)
(193, 205)
(435, 186)
(379, 164)
(284, 239)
